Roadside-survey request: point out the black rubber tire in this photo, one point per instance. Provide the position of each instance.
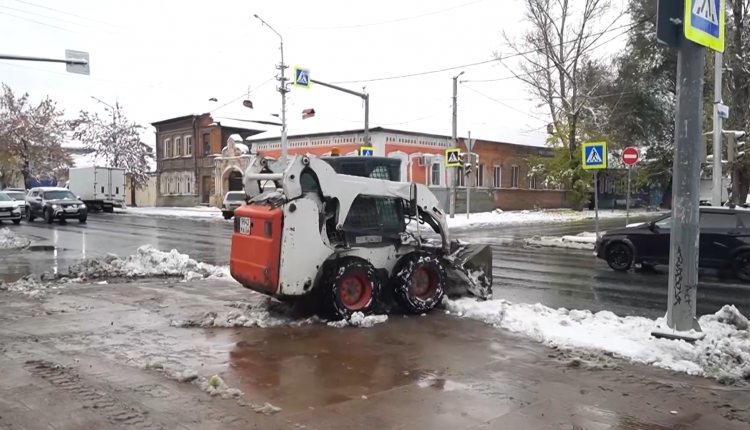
(412, 268)
(228, 217)
(82, 220)
(48, 218)
(29, 215)
(16, 221)
(332, 284)
(740, 264)
(108, 210)
(619, 250)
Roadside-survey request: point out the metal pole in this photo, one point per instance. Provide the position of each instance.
(43, 60)
(627, 200)
(283, 91)
(717, 173)
(469, 179)
(684, 233)
(452, 172)
(367, 120)
(596, 203)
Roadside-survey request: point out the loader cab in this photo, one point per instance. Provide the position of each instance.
(368, 167)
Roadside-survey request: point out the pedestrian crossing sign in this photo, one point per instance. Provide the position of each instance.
(704, 23)
(594, 155)
(301, 77)
(453, 157)
(366, 151)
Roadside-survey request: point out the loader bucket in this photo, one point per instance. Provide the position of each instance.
(469, 269)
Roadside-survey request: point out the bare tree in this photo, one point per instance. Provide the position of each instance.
(117, 141)
(738, 55)
(555, 51)
(31, 137)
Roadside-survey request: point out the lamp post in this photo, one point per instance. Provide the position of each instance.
(283, 90)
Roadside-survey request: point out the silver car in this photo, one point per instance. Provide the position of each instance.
(232, 200)
(19, 195)
(10, 209)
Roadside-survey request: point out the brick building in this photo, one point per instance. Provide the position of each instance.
(186, 148)
(502, 178)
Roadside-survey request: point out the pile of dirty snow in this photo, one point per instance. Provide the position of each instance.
(723, 354)
(585, 240)
(147, 262)
(11, 240)
(263, 314)
(358, 319)
(34, 287)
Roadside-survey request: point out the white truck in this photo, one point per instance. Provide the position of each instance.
(100, 188)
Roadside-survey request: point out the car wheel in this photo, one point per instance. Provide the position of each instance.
(228, 216)
(619, 257)
(48, 218)
(741, 266)
(29, 216)
(17, 221)
(82, 220)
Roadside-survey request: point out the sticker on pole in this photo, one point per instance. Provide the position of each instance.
(301, 77)
(452, 157)
(630, 155)
(594, 155)
(704, 23)
(366, 151)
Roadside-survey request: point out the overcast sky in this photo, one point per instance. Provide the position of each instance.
(167, 58)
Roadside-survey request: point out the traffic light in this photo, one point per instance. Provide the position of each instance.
(735, 145)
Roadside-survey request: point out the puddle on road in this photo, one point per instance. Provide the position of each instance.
(35, 260)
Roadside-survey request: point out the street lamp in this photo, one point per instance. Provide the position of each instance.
(283, 90)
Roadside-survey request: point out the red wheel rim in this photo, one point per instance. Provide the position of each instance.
(355, 291)
(423, 284)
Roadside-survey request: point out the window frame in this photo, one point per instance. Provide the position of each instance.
(497, 176)
(188, 142)
(206, 142)
(177, 146)
(433, 176)
(515, 176)
(166, 148)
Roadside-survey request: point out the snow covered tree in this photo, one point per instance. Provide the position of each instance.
(31, 137)
(737, 76)
(115, 140)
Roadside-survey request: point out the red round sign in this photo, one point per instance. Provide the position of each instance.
(630, 156)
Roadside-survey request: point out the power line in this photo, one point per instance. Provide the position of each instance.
(387, 22)
(70, 14)
(88, 78)
(243, 94)
(42, 23)
(56, 19)
(505, 104)
(517, 54)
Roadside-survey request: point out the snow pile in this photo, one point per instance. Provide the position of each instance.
(358, 319)
(11, 240)
(498, 217)
(147, 262)
(34, 287)
(264, 314)
(583, 240)
(199, 212)
(723, 354)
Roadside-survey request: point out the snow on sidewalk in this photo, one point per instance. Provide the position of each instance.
(201, 212)
(499, 217)
(11, 240)
(723, 354)
(585, 240)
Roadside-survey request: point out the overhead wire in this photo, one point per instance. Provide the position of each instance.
(242, 95)
(55, 19)
(70, 14)
(39, 22)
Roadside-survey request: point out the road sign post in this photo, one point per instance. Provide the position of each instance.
(594, 157)
(703, 26)
(629, 157)
(469, 181)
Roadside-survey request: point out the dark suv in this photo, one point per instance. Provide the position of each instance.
(724, 242)
(53, 203)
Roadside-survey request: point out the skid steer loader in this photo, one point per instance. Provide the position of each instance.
(350, 239)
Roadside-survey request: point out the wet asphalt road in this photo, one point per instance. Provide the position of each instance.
(555, 277)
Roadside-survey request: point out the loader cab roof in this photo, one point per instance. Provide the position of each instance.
(368, 167)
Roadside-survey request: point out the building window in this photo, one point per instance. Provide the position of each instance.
(167, 148)
(187, 184)
(188, 146)
(532, 182)
(479, 176)
(515, 173)
(460, 176)
(206, 144)
(435, 174)
(177, 185)
(497, 176)
(177, 146)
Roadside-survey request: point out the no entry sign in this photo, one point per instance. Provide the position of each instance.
(630, 156)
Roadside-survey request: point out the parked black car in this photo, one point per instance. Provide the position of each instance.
(53, 203)
(724, 242)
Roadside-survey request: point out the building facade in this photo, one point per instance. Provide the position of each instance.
(186, 148)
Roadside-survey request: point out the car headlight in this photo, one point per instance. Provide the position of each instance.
(82, 206)
(55, 207)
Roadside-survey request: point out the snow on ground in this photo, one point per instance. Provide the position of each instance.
(11, 240)
(147, 262)
(584, 240)
(358, 319)
(264, 314)
(723, 354)
(201, 212)
(499, 217)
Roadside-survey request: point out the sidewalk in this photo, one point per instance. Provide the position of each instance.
(434, 372)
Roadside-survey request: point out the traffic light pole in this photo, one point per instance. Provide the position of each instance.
(717, 170)
(684, 234)
(363, 96)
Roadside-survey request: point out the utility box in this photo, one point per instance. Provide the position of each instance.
(100, 188)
